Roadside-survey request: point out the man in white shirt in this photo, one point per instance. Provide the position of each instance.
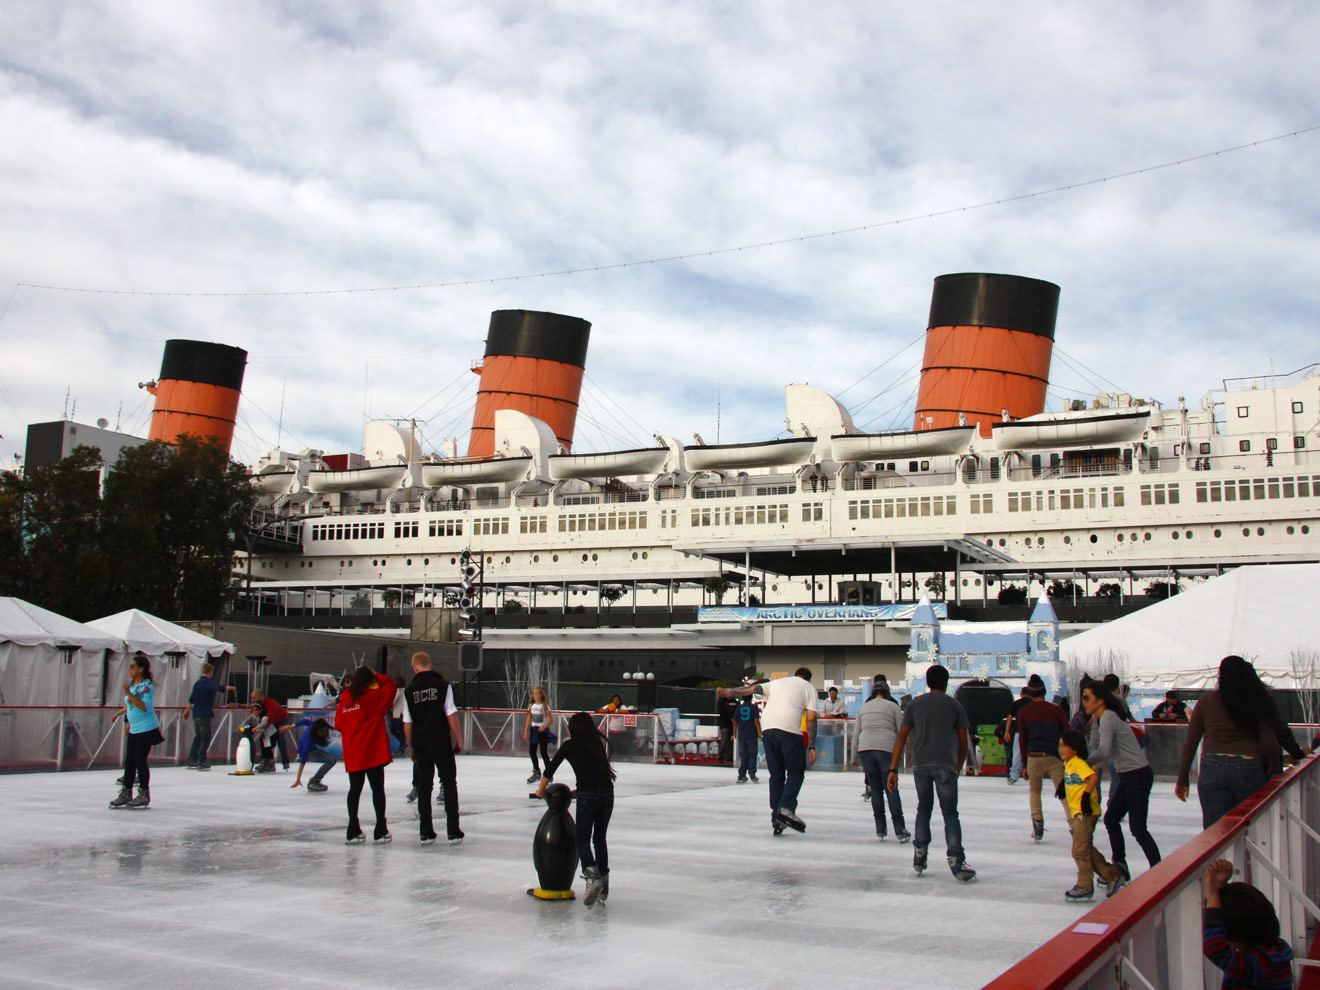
(788, 701)
(834, 706)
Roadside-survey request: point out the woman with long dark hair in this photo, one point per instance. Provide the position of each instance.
(142, 728)
(360, 719)
(586, 753)
(1112, 738)
(1241, 737)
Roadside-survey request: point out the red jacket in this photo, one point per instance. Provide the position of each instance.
(362, 724)
(275, 712)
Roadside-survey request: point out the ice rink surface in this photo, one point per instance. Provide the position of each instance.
(239, 881)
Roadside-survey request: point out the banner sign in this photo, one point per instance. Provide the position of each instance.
(815, 613)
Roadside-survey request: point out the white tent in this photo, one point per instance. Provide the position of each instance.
(176, 652)
(1266, 613)
(47, 659)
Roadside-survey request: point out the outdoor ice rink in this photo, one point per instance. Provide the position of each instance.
(240, 881)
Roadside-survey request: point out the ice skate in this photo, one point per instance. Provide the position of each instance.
(604, 887)
(961, 871)
(777, 823)
(880, 833)
(316, 787)
(754, 779)
(533, 778)
(122, 800)
(742, 778)
(1079, 894)
(1037, 829)
(355, 839)
(455, 838)
(594, 886)
(791, 819)
(429, 839)
(1122, 868)
(142, 800)
(903, 835)
(412, 795)
(1113, 886)
(918, 861)
(382, 836)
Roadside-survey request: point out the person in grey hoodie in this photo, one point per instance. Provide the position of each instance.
(873, 741)
(1113, 739)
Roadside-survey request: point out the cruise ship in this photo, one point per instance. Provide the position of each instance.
(987, 483)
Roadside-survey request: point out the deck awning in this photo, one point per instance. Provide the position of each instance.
(793, 558)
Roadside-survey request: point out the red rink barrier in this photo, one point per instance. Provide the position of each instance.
(1149, 934)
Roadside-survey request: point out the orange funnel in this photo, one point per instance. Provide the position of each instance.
(198, 391)
(988, 345)
(534, 364)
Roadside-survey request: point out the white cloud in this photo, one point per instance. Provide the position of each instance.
(253, 147)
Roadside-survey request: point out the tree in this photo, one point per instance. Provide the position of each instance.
(1110, 590)
(1159, 590)
(609, 594)
(392, 598)
(1061, 590)
(717, 586)
(175, 516)
(512, 605)
(1012, 594)
(935, 584)
(63, 567)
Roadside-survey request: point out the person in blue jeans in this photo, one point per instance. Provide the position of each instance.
(586, 753)
(788, 734)
(747, 723)
(877, 726)
(201, 709)
(314, 746)
(937, 726)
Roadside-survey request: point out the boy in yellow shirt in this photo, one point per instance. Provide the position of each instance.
(1079, 784)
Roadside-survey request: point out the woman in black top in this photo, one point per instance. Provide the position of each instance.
(586, 753)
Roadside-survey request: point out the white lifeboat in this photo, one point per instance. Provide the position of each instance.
(610, 464)
(274, 480)
(488, 471)
(770, 453)
(850, 447)
(1088, 429)
(357, 479)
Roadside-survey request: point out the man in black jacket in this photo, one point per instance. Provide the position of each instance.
(431, 727)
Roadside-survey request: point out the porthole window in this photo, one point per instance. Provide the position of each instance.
(1260, 530)
(1040, 541)
(584, 558)
(634, 555)
(426, 561)
(1290, 531)
(490, 560)
(1218, 533)
(1067, 539)
(593, 556)
(536, 558)
(1305, 530)
(644, 555)
(409, 562)
(1120, 537)
(1175, 534)
(1003, 542)
(1246, 532)
(1134, 537)
(554, 559)
(1188, 534)
(1094, 538)
(1146, 537)
(507, 559)
(453, 560)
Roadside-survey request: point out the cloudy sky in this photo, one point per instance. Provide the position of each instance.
(224, 171)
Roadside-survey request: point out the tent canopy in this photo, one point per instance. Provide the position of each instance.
(157, 637)
(47, 659)
(1269, 614)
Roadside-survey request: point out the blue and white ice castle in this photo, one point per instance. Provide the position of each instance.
(1008, 652)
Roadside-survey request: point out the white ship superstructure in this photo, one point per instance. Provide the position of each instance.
(1120, 480)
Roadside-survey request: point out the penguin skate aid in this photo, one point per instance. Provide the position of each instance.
(560, 843)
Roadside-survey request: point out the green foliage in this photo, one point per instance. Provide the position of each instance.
(159, 534)
(1159, 590)
(1061, 590)
(717, 586)
(1012, 594)
(610, 593)
(935, 584)
(1110, 590)
(512, 605)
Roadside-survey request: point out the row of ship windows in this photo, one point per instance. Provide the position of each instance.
(1103, 497)
(1146, 537)
(1245, 411)
(426, 561)
(1244, 490)
(902, 508)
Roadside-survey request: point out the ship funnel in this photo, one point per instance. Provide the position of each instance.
(988, 345)
(533, 364)
(197, 391)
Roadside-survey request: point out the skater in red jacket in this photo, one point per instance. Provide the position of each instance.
(360, 719)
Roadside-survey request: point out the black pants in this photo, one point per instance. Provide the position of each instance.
(135, 759)
(430, 761)
(594, 808)
(376, 778)
(1130, 796)
(533, 741)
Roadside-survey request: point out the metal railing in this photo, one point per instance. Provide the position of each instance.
(1149, 934)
